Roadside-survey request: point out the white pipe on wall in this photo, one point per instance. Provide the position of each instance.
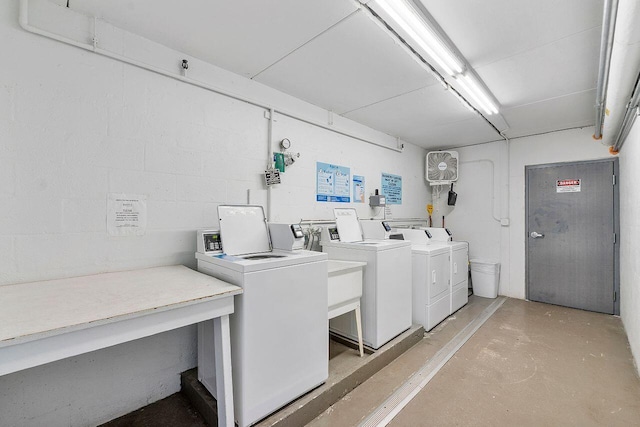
(606, 46)
(493, 189)
(507, 142)
(24, 23)
(625, 63)
(269, 159)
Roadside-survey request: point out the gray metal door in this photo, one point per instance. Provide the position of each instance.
(571, 235)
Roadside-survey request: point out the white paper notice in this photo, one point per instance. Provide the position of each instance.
(126, 215)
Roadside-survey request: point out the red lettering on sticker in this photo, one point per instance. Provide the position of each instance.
(567, 182)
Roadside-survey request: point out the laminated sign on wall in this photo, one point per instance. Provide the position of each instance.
(126, 215)
(392, 188)
(358, 189)
(568, 186)
(332, 183)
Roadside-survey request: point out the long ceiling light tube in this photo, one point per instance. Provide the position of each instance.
(606, 46)
(405, 16)
(461, 99)
(428, 38)
(478, 95)
(405, 46)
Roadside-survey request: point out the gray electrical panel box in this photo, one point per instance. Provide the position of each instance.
(377, 200)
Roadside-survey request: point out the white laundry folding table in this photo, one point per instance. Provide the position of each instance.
(41, 322)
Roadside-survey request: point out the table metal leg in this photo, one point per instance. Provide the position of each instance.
(359, 327)
(224, 386)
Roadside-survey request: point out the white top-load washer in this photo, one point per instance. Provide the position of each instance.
(386, 292)
(375, 229)
(459, 252)
(279, 346)
(430, 278)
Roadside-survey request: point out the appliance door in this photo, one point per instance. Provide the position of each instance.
(279, 338)
(392, 314)
(460, 265)
(571, 241)
(438, 277)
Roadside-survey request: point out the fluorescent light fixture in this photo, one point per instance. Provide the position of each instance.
(477, 94)
(420, 31)
(462, 100)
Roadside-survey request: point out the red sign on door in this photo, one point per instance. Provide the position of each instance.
(568, 186)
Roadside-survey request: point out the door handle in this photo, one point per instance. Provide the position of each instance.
(536, 235)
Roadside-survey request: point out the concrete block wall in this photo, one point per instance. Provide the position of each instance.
(566, 146)
(629, 240)
(75, 127)
(482, 194)
(488, 238)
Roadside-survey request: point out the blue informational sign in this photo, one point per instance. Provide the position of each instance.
(392, 188)
(333, 183)
(358, 189)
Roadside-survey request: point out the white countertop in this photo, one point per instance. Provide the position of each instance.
(36, 310)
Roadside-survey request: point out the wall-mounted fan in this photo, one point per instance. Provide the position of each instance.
(442, 167)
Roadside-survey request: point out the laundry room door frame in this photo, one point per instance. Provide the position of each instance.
(616, 221)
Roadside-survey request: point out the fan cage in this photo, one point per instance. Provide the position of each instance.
(441, 167)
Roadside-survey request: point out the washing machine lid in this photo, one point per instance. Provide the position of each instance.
(243, 229)
(348, 225)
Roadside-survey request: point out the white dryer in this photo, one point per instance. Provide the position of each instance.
(431, 289)
(386, 293)
(279, 346)
(459, 252)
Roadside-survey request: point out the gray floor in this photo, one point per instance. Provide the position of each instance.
(530, 364)
(173, 411)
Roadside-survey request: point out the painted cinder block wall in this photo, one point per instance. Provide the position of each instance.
(630, 240)
(76, 126)
(507, 244)
(496, 169)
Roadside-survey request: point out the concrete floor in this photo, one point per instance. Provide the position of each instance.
(347, 370)
(530, 364)
(173, 411)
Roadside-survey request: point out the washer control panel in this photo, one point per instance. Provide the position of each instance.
(209, 242)
(297, 231)
(333, 233)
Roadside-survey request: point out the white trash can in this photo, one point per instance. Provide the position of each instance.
(485, 278)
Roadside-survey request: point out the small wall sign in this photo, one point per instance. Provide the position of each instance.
(126, 214)
(568, 185)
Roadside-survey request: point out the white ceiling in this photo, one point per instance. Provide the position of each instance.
(538, 58)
